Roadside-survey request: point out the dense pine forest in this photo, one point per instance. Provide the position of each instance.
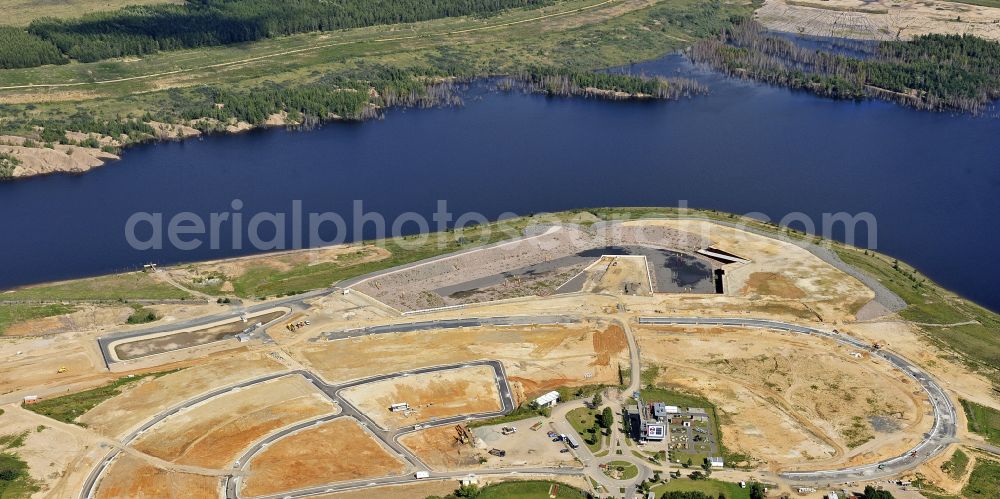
(139, 30)
(938, 72)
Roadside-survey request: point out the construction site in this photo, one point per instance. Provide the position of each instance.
(761, 358)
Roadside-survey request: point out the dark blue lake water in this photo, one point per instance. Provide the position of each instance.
(931, 179)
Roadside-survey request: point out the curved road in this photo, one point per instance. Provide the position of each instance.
(941, 434)
(389, 438)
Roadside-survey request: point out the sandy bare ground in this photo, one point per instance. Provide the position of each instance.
(430, 396)
(86, 317)
(611, 274)
(58, 455)
(60, 159)
(318, 456)
(792, 401)
(133, 477)
(879, 19)
(536, 358)
(216, 433)
(117, 415)
(779, 272)
(440, 449)
(36, 368)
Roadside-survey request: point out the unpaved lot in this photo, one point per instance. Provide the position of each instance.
(879, 19)
(33, 363)
(536, 359)
(132, 477)
(117, 415)
(332, 452)
(611, 274)
(214, 434)
(779, 273)
(431, 396)
(169, 343)
(58, 456)
(791, 400)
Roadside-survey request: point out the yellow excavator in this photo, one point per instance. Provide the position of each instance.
(61, 370)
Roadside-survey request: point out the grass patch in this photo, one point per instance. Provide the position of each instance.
(13, 440)
(582, 420)
(983, 420)
(977, 345)
(984, 483)
(142, 315)
(265, 281)
(621, 470)
(523, 411)
(529, 489)
(15, 482)
(69, 407)
(22, 12)
(117, 287)
(13, 313)
(713, 488)
(955, 467)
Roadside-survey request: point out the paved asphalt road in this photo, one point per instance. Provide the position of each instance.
(941, 434)
(389, 438)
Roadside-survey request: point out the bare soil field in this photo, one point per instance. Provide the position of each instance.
(132, 477)
(612, 274)
(86, 317)
(58, 456)
(903, 339)
(60, 159)
(430, 396)
(790, 400)
(33, 363)
(214, 434)
(316, 456)
(544, 258)
(171, 342)
(537, 359)
(441, 449)
(117, 415)
(780, 273)
(879, 19)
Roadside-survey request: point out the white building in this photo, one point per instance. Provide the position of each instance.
(655, 432)
(548, 400)
(716, 462)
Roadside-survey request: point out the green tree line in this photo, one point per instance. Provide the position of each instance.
(960, 72)
(138, 29)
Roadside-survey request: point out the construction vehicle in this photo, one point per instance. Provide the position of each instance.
(507, 430)
(61, 370)
(464, 435)
(498, 452)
